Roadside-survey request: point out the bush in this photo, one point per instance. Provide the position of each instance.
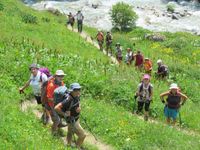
(1, 7)
(123, 17)
(170, 7)
(45, 19)
(29, 18)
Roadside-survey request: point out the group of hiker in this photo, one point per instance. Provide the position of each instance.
(60, 104)
(71, 20)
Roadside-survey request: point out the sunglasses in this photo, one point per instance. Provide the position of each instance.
(60, 76)
(77, 90)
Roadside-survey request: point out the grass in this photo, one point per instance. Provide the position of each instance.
(50, 44)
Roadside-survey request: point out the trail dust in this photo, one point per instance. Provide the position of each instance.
(178, 128)
(90, 40)
(90, 139)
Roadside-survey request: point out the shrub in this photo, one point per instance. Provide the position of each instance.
(29, 18)
(1, 7)
(45, 19)
(170, 7)
(123, 17)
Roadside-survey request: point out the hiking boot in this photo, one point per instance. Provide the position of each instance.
(45, 119)
(146, 118)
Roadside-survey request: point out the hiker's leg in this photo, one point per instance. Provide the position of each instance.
(81, 26)
(168, 120)
(140, 106)
(174, 116)
(146, 113)
(38, 99)
(56, 121)
(80, 133)
(69, 134)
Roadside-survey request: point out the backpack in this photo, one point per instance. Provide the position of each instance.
(59, 94)
(166, 71)
(45, 71)
(149, 88)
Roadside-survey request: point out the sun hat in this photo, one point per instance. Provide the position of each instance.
(146, 58)
(173, 86)
(146, 76)
(34, 66)
(60, 73)
(74, 86)
(159, 61)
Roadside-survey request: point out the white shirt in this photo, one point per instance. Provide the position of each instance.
(36, 82)
(79, 16)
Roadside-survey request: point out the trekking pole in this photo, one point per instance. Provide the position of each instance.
(90, 130)
(134, 104)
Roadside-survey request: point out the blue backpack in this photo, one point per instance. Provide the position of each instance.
(60, 93)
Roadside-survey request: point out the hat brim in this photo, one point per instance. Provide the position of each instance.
(175, 88)
(60, 74)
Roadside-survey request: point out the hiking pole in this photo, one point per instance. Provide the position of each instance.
(135, 99)
(90, 130)
(180, 120)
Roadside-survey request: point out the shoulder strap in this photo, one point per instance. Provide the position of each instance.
(141, 87)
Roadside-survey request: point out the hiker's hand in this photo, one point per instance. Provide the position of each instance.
(78, 110)
(21, 91)
(135, 97)
(163, 101)
(182, 104)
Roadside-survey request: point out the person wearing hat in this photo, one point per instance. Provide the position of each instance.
(70, 109)
(35, 81)
(162, 71)
(100, 39)
(173, 102)
(148, 66)
(80, 18)
(109, 39)
(52, 84)
(144, 95)
(118, 52)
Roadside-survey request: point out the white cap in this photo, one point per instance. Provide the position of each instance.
(159, 61)
(173, 86)
(60, 73)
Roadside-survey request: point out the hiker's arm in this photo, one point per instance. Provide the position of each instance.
(184, 98)
(163, 95)
(58, 109)
(25, 86)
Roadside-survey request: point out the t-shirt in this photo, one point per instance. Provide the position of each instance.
(118, 52)
(100, 36)
(138, 59)
(71, 104)
(148, 65)
(36, 82)
(144, 94)
(162, 69)
(79, 16)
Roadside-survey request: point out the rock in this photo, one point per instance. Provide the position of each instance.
(54, 11)
(155, 37)
(175, 16)
(95, 6)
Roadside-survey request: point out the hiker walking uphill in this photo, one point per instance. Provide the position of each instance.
(36, 79)
(71, 20)
(52, 84)
(148, 66)
(173, 102)
(80, 18)
(118, 53)
(70, 109)
(100, 39)
(162, 71)
(129, 56)
(109, 43)
(139, 60)
(144, 95)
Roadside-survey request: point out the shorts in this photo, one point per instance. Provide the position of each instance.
(38, 99)
(141, 104)
(170, 113)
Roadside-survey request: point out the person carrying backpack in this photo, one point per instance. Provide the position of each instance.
(80, 18)
(175, 99)
(144, 96)
(100, 39)
(109, 43)
(139, 60)
(162, 71)
(71, 20)
(148, 66)
(35, 81)
(118, 53)
(52, 84)
(70, 109)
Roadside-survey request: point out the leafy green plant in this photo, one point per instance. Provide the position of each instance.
(123, 17)
(1, 7)
(29, 18)
(170, 7)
